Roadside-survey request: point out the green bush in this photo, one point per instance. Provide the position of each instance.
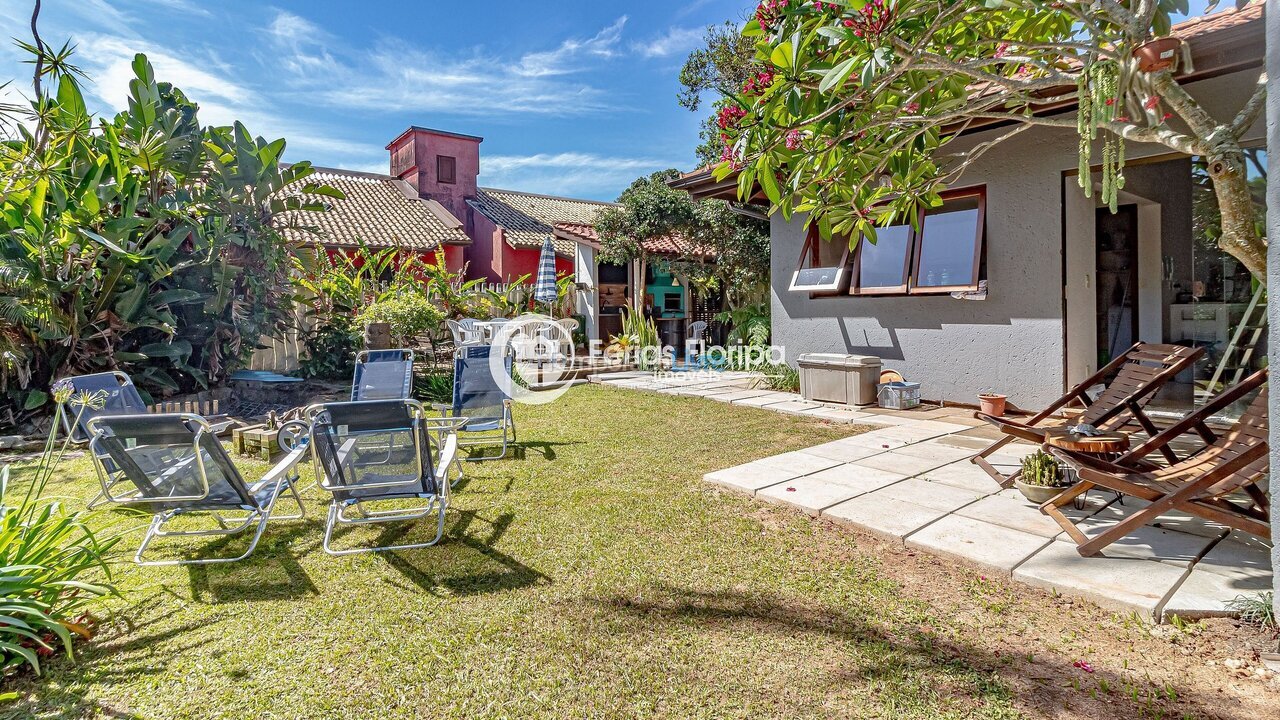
(331, 351)
(408, 314)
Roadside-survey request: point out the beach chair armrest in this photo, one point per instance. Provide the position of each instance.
(448, 453)
(282, 470)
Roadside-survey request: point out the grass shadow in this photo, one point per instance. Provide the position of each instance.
(272, 572)
(463, 563)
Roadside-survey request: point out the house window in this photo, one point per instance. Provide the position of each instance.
(823, 264)
(942, 253)
(446, 170)
(949, 250)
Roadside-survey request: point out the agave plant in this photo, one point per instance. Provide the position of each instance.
(46, 552)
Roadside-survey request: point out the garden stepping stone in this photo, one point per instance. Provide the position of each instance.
(882, 515)
(991, 547)
(928, 494)
(1116, 583)
(809, 493)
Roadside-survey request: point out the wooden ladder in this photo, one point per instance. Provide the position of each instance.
(1244, 342)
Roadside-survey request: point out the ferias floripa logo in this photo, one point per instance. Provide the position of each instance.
(542, 354)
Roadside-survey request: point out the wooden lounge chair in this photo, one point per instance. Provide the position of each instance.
(1229, 465)
(1139, 372)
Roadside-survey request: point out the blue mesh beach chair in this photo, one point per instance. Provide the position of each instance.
(376, 457)
(480, 401)
(383, 375)
(117, 395)
(178, 468)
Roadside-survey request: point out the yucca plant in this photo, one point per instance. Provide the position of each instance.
(46, 552)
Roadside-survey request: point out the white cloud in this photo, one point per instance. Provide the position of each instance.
(562, 60)
(676, 40)
(202, 77)
(301, 45)
(186, 6)
(569, 173)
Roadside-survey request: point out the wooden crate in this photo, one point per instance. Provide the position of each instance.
(255, 440)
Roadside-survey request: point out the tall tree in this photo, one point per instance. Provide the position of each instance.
(722, 65)
(719, 246)
(866, 96)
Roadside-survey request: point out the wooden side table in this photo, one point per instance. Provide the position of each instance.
(1107, 446)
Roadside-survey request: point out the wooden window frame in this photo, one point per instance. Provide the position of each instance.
(453, 170)
(979, 244)
(855, 285)
(809, 251)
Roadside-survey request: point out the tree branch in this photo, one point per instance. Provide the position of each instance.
(1252, 109)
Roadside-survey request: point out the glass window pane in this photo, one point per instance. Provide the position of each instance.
(882, 264)
(949, 244)
(822, 268)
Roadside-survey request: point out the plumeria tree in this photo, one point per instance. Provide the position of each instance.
(854, 116)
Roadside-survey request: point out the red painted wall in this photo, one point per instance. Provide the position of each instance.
(413, 157)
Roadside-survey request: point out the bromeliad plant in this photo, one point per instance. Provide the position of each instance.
(47, 556)
(853, 116)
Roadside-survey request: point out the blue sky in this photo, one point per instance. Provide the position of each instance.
(574, 98)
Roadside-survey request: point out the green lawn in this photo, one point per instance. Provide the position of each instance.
(595, 576)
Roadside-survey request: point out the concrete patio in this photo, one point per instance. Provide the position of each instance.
(910, 480)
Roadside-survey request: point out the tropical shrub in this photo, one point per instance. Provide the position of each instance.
(46, 554)
(331, 350)
(145, 242)
(409, 315)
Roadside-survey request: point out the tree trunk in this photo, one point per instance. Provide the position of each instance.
(1240, 237)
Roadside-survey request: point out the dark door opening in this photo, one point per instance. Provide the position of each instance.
(1117, 286)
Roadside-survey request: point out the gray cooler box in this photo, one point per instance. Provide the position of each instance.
(836, 378)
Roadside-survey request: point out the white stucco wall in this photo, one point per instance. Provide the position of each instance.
(1012, 342)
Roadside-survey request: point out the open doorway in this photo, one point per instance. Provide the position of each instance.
(1116, 260)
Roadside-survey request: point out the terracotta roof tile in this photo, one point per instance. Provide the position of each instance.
(528, 218)
(1221, 20)
(675, 245)
(381, 210)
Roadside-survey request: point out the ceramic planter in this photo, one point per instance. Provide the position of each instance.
(1156, 55)
(992, 404)
(1037, 494)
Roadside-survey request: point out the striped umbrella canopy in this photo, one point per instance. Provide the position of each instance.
(544, 288)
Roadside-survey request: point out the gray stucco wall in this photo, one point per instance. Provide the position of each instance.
(1273, 256)
(1013, 341)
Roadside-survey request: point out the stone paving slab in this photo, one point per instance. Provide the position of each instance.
(963, 474)
(884, 516)
(843, 415)
(929, 494)
(1014, 514)
(794, 407)
(862, 479)
(991, 547)
(808, 493)
(800, 462)
(1239, 556)
(1145, 542)
(843, 451)
(750, 477)
(1121, 584)
(770, 398)
(938, 449)
(900, 461)
(739, 395)
(1209, 594)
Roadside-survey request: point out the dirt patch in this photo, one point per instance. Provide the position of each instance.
(1065, 657)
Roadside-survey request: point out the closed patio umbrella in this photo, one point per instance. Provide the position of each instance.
(544, 288)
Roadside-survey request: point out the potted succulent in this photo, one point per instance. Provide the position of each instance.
(1041, 477)
(992, 404)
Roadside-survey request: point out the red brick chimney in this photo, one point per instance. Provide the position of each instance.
(442, 165)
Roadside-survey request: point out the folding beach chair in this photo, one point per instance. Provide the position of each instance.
(479, 400)
(178, 468)
(379, 453)
(1138, 373)
(1217, 483)
(118, 396)
(383, 375)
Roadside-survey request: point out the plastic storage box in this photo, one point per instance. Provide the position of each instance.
(899, 395)
(835, 378)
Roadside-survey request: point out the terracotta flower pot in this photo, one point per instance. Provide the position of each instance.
(992, 404)
(1158, 54)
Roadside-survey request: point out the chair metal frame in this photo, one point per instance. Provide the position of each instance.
(282, 476)
(481, 438)
(422, 426)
